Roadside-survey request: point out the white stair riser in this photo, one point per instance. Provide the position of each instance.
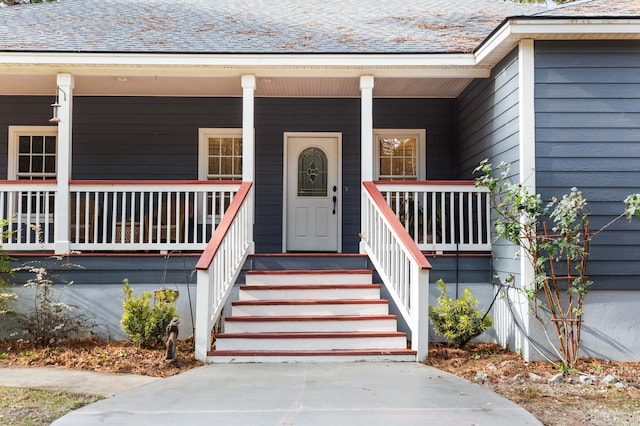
(306, 278)
(310, 326)
(301, 310)
(310, 344)
(310, 294)
(228, 359)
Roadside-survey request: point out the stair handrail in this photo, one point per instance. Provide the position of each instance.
(401, 265)
(221, 263)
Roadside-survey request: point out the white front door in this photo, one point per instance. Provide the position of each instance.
(312, 192)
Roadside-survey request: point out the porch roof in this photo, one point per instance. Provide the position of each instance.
(295, 48)
(237, 26)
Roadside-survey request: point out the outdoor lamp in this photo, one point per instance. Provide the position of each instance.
(56, 106)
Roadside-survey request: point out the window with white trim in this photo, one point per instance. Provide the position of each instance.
(32, 152)
(400, 154)
(219, 158)
(220, 154)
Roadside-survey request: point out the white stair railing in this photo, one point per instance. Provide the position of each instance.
(220, 265)
(442, 215)
(401, 265)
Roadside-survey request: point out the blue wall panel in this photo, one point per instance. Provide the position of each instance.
(157, 138)
(144, 137)
(587, 98)
(21, 111)
(487, 127)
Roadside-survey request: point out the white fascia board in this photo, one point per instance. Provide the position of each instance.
(581, 28)
(325, 65)
(509, 35)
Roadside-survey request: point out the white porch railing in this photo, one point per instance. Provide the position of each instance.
(28, 207)
(442, 215)
(400, 264)
(220, 265)
(116, 215)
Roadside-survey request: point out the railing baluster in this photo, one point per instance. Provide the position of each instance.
(116, 215)
(441, 216)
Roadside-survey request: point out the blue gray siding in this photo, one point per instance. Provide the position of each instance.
(157, 138)
(437, 116)
(21, 111)
(487, 127)
(587, 98)
(143, 137)
(276, 116)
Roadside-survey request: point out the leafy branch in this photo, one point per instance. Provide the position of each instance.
(556, 239)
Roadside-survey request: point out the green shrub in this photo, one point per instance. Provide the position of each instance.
(143, 321)
(458, 321)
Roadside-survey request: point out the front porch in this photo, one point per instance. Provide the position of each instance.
(107, 190)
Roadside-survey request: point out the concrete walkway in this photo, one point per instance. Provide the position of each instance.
(303, 394)
(63, 379)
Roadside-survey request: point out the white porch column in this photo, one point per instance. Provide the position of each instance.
(248, 142)
(366, 148)
(65, 84)
(527, 162)
(366, 129)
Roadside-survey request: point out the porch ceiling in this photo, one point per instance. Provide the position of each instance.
(155, 85)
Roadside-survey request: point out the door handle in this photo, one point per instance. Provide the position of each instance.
(335, 199)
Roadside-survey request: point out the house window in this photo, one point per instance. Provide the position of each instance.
(32, 156)
(32, 153)
(220, 154)
(400, 154)
(220, 158)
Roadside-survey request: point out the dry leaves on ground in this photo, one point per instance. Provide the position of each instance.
(99, 355)
(568, 403)
(565, 404)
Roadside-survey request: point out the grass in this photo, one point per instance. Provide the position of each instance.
(28, 407)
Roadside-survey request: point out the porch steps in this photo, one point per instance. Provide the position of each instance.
(310, 315)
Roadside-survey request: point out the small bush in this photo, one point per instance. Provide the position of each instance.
(7, 297)
(50, 320)
(143, 321)
(458, 321)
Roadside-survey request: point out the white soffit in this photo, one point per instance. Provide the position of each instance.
(157, 86)
(420, 88)
(127, 85)
(27, 84)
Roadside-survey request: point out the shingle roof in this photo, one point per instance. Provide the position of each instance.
(259, 26)
(596, 9)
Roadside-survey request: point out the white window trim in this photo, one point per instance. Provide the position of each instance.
(203, 146)
(203, 157)
(421, 149)
(14, 134)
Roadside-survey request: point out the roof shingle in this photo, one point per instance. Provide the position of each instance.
(274, 26)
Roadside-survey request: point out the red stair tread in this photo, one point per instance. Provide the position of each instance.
(308, 271)
(308, 286)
